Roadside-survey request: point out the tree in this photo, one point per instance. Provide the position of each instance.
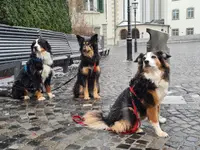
(44, 14)
(79, 25)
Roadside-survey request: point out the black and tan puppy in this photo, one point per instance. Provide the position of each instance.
(29, 80)
(87, 84)
(140, 100)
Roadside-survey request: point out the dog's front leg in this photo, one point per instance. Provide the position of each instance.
(85, 90)
(152, 114)
(161, 119)
(85, 73)
(96, 82)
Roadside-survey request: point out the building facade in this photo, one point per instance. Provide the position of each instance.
(109, 17)
(183, 17)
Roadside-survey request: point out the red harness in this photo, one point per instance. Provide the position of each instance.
(95, 67)
(137, 123)
(80, 120)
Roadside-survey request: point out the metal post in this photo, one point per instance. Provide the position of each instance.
(129, 38)
(135, 32)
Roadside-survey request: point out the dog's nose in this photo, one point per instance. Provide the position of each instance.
(146, 62)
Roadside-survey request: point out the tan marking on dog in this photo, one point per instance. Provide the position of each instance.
(152, 114)
(85, 70)
(25, 92)
(38, 95)
(155, 97)
(157, 61)
(89, 52)
(93, 119)
(81, 89)
(121, 126)
(98, 69)
(48, 89)
(95, 90)
(86, 92)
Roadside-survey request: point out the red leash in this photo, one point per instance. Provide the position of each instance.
(80, 120)
(138, 123)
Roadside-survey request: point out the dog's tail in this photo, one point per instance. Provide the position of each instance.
(95, 120)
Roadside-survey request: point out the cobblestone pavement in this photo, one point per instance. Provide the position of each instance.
(48, 124)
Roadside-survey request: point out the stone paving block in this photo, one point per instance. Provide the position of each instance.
(123, 146)
(72, 147)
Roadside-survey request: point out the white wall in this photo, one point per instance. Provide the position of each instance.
(184, 23)
(142, 29)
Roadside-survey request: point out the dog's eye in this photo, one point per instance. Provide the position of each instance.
(144, 58)
(153, 57)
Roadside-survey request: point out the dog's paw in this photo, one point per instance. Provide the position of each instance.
(162, 134)
(139, 131)
(26, 97)
(162, 119)
(41, 98)
(51, 95)
(97, 96)
(86, 98)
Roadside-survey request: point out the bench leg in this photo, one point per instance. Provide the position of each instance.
(66, 65)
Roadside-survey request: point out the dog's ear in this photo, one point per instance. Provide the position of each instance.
(32, 45)
(94, 38)
(80, 39)
(162, 54)
(139, 58)
(48, 47)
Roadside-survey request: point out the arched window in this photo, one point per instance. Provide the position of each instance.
(135, 33)
(123, 34)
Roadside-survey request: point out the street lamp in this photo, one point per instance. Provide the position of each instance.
(135, 6)
(129, 37)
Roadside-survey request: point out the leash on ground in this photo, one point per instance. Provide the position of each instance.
(65, 83)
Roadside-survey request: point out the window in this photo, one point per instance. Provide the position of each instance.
(190, 13)
(94, 5)
(175, 32)
(175, 14)
(189, 31)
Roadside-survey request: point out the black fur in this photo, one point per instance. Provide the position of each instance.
(28, 79)
(43, 43)
(87, 62)
(120, 108)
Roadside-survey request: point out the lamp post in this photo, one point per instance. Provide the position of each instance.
(129, 37)
(135, 6)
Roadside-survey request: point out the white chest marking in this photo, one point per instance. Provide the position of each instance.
(156, 77)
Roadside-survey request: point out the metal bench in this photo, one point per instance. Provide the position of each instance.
(15, 43)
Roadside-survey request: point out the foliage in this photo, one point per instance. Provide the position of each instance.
(44, 14)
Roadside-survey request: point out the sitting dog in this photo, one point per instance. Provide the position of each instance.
(42, 49)
(140, 100)
(87, 84)
(29, 80)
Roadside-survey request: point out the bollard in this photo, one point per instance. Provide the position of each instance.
(158, 41)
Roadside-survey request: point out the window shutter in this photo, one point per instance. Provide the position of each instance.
(100, 6)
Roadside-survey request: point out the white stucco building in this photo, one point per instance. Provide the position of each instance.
(109, 17)
(183, 17)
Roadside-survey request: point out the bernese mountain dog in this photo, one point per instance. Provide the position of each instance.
(42, 49)
(29, 80)
(140, 100)
(87, 84)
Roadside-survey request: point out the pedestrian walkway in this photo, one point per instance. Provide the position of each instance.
(48, 125)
